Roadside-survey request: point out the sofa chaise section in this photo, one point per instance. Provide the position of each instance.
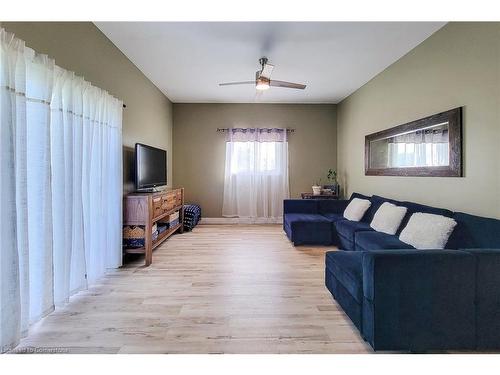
(480, 236)
(418, 300)
(408, 300)
(405, 299)
(310, 221)
(308, 229)
(487, 283)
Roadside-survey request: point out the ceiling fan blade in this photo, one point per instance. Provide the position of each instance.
(237, 83)
(267, 69)
(289, 85)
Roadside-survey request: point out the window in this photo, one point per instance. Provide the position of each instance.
(253, 157)
(256, 174)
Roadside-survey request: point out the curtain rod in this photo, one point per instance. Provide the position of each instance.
(227, 129)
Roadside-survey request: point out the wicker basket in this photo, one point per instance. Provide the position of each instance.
(133, 236)
(172, 217)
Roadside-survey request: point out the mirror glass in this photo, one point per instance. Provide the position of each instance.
(425, 147)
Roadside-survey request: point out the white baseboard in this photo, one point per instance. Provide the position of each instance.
(241, 220)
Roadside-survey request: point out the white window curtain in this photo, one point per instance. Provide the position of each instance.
(418, 155)
(256, 174)
(60, 186)
(423, 148)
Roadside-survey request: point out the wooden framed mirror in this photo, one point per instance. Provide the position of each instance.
(428, 147)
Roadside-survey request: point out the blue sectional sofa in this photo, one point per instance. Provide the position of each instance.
(401, 298)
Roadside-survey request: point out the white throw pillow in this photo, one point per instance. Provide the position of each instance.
(427, 231)
(356, 209)
(388, 218)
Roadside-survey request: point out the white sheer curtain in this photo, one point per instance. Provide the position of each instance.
(418, 154)
(429, 147)
(256, 174)
(60, 186)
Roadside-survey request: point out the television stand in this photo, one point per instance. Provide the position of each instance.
(146, 208)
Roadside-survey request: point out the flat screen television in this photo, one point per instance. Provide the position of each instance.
(150, 167)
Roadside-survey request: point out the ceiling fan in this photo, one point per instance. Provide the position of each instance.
(263, 79)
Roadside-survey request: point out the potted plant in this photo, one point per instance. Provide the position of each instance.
(316, 188)
(332, 181)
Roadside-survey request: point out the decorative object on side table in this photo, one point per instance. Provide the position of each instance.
(316, 188)
(333, 185)
(324, 191)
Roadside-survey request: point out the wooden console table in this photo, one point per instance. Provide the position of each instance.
(145, 209)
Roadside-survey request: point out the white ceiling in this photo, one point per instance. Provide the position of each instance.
(187, 60)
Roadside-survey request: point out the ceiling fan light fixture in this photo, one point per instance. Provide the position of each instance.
(263, 79)
(262, 84)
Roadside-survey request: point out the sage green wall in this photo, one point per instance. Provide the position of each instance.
(84, 49)
(199, 151)
(457, 66)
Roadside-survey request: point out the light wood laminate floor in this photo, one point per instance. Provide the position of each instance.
(218, 289)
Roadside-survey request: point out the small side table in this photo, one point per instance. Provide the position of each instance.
(320, 196)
